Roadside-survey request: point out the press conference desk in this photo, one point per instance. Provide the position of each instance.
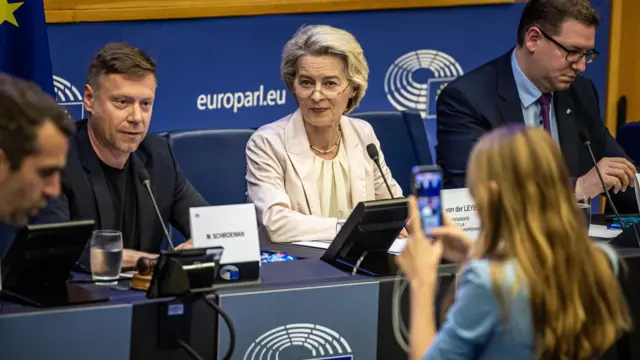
(351, 314)
(295, 292)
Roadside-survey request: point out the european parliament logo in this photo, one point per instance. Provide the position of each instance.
(69, 97)
(415, 79)
(299, 341)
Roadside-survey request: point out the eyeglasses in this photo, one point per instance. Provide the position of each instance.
(330, 92)
(573, 56)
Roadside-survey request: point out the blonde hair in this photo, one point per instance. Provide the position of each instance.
(526, 205)
(316, 40)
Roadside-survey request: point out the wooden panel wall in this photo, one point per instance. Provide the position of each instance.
(64, 11)
(624, 61)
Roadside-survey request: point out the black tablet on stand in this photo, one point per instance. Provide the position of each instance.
(364, 240)
(37, 266)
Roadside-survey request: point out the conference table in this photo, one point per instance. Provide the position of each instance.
(303, 309)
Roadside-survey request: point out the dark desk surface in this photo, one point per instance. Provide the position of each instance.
(304, 272)
(117, 297)
(307, 271)
(278, 274)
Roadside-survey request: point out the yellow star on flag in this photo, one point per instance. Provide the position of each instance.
(7, 10)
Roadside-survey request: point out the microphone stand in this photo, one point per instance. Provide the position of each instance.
(630, 236)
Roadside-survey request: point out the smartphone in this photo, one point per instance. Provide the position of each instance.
(427, 188)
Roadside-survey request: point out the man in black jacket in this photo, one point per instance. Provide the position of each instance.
(537, 83)
(110, 154)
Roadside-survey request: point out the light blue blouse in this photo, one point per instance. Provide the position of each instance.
(474, 328)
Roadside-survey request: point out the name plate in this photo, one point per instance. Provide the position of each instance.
(461, 208)
(233, 227)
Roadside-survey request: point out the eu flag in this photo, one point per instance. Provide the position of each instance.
(24, 43)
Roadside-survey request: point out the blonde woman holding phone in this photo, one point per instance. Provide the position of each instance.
(533, 285)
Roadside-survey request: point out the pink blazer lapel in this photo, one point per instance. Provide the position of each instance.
(357, 162)
(301, 156)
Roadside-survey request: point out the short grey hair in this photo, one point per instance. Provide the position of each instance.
(316, 40)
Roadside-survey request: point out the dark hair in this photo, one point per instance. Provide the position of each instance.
(549, 15)
(119, 58)
(24, 108)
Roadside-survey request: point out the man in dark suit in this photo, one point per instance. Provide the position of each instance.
(110, 153)
(34, 134)
(538, 83)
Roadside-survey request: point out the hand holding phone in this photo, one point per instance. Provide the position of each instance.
(455, 243)
(427, 187)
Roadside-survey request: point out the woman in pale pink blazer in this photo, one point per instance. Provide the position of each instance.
(309, 169)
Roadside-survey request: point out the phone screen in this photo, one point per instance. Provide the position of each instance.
(428, 185)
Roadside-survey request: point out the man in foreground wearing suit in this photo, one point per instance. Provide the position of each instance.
(110, 153)
(34, 133)
(538, 83)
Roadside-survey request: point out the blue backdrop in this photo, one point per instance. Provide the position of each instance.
(224, 72)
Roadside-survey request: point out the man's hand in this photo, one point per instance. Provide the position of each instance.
(185, 245)
(130, 258)
(617, 173)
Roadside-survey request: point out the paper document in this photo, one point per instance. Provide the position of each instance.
(601, 231)
(313, 244)
(596, 231)
(397, 246)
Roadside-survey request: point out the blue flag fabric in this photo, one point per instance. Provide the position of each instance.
(24, 43)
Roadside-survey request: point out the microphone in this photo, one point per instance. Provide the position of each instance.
(584, 138)
(372, 151)
(143, 175)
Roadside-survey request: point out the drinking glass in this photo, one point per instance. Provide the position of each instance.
(106, 256)
(584, 204)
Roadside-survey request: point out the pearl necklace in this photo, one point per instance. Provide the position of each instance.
(325, 152)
